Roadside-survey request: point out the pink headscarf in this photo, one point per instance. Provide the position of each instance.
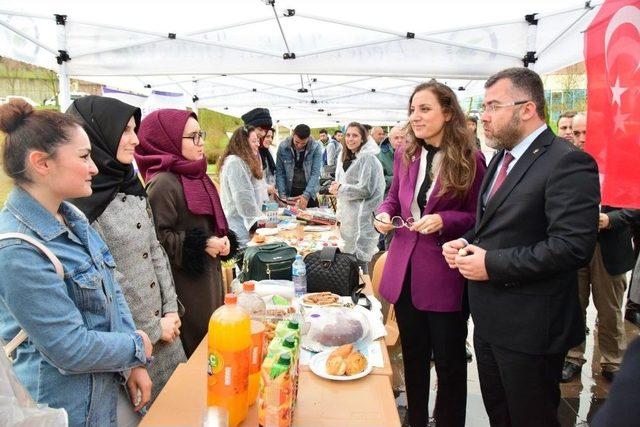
(160, 150)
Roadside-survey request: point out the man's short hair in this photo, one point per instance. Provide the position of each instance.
(523, 80)
(323, 131)
(567, 115)
(337, 132)
(368, 127)
(473, 119)
(302, 131)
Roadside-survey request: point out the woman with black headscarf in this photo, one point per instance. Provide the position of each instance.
(119, 210)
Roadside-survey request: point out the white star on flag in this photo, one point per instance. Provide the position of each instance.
(618, 121)
(617, 91)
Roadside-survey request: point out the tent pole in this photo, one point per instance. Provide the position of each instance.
(195, 97)
(64, 96)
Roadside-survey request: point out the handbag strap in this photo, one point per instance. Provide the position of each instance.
(328, 255)
(22, 336)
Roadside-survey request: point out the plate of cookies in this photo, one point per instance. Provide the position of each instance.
(345, 363)
(320, 299)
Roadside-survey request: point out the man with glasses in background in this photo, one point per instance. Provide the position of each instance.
(536, 225)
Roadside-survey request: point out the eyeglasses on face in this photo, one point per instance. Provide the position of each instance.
(396, 221)
(197, 138)
(491, 108)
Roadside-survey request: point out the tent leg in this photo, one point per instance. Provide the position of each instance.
(64, 96)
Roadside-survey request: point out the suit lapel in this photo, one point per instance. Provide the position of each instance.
(414, 167)
(533, 153)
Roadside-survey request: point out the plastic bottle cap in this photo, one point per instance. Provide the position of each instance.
(230, 298)
(289, 342)
(293, 324)
(284, 359)
(249, 286)
(298, 257)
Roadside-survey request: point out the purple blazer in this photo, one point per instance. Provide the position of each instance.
(434, 286)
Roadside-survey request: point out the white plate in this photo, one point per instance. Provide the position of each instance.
(267, 231)
(318, 365)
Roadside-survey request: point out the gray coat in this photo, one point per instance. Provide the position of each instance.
(143, 271)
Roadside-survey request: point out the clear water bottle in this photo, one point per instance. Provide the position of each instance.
(299, 276)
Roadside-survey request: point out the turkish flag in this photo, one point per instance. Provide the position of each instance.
(612, 57)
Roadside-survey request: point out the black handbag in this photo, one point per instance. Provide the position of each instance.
(330, 270)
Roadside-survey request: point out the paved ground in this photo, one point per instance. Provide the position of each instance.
(580, 398)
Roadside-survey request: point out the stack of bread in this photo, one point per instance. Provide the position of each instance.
(346, 360)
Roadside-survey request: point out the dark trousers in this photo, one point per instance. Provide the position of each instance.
(519, 389)
(422, 332)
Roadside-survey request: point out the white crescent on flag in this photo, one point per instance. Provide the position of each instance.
(625, 15)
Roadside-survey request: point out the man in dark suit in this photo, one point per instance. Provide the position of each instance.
(604, 278)
(536, 225)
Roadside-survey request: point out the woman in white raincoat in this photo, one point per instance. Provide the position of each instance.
(359, 187)
(242, 185)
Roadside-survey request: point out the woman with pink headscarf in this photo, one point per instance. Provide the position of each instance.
(189, 219)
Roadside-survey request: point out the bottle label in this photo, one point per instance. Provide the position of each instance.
(257, 345)
(228, 372)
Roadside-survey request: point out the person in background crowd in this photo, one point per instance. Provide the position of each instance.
(472, 125)
(260, 120)
(536, 226)
(604, 278)
(332, 152)
(579, 130)
(298, 168)
(436, 180)
(323, 137)
(359, 187)
(377, 133)
(82, 344)
(632, 313)
(565, 129)
(119, 210)
(240, 181)
(397, 137)
(385, 156)
(189, 219)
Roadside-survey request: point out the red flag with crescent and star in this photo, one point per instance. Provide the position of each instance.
(612, 58)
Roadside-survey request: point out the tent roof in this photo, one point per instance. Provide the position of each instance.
(351, 58)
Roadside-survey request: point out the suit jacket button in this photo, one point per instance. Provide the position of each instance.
(145, 255)
(153, 284)
(476, 241)
(124, 198)
(157, 313)
(138, 226)
(508, 285)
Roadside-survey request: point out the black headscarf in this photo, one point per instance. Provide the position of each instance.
(267, 159)
(104, 120)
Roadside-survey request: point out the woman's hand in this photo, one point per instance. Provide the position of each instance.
(333, 188)
(217, 246)
(173, 315)
(428, 224)
(170, 329)
(383, 223)
(139, 386)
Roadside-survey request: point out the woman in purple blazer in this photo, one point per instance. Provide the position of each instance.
(432, 199)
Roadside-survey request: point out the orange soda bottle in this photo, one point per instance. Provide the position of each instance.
(228, 363)
(256, 308)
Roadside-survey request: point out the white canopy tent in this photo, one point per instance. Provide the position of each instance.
(318, 62)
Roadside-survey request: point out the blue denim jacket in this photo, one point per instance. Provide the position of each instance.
(81, 334)
(312, 166)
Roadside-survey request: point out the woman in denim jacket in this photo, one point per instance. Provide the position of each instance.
(82, 343)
